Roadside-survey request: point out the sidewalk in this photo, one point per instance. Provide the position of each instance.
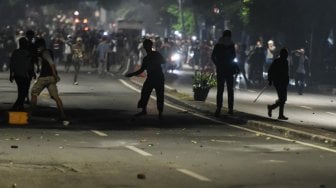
(254, 122)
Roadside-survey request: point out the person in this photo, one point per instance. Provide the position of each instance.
(300, 63)
(20, 72)
(222, 56)
(256, 60)
(68, 53)
(155, 78)
(77, 57)
(30, 35)
(47, 79)
(279, 77)
(270, 54)
(57, 45)
(102, 52)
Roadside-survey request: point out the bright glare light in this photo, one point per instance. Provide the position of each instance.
(85, 20)
(76, 13)
(235, 60)
(77, 20)
(193, 38)
(175, 57)
(105, 33)
(177, 33)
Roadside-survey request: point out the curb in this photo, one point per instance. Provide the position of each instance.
(256, 125)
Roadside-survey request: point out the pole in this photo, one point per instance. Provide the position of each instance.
(261, 92)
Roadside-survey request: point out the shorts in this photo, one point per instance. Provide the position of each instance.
(48, 82)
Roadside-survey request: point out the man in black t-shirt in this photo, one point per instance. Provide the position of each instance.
(155, 78)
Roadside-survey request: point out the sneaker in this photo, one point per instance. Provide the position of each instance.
(269, 110)
(283, 117)
(160, 116)
(217, 113)
(142, 113)
(230, 111)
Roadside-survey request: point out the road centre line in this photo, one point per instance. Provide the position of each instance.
(238, 127)
(193, 174)
(99, 133)
(137, 150)
(331, 113)
(306, 107)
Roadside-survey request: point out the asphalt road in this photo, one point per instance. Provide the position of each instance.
(309, 109)
(105, 146)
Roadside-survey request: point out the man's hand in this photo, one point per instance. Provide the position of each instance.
(11, 78)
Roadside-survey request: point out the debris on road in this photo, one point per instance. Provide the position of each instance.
(286, 148)
(141, 176)
(194, 142)
(150, 145)
(14, 147)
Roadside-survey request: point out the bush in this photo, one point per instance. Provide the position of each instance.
(204, 80)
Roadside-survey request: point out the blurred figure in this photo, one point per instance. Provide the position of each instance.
(256, 60)
(20, 64)
(166, 51)
(300, 66)
(68, 53)
(279, 77)
(102, 53)
(270, 54)
(30, 35)
(57, 45)
(223, 55)
(241, 59)
(155, 78)
(77, 57)
(2, 51)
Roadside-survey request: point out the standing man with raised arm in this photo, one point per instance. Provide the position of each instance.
(155, 78)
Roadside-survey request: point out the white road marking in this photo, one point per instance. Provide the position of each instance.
(241, 128)
(251, 91)
(141, 152)
(99, 133)
(331, 113)
(306, 107)
(193, 174)
(168, 87)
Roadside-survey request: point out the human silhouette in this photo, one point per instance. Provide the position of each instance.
(223, 55)
(20, 72)
(278, 76)
(30, 35)
(155, 78)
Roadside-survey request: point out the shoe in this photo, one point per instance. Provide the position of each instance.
(230, 111)
(283, 117)
(217, 113)
(142, 113)
(75, 83)
(269, 110)
(160, 116)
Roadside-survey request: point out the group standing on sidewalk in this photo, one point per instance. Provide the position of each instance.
(223, 56)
